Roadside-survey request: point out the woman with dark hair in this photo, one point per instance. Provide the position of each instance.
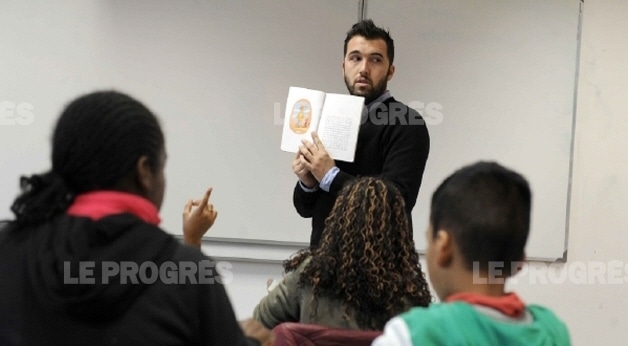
(84, 261)
(365, 271)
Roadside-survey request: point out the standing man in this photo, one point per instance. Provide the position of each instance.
(393, 142)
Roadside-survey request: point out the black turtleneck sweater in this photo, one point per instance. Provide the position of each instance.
(40, 304)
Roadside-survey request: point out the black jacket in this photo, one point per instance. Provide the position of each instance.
(47, 298)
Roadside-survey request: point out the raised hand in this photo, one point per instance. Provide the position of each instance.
(198, 217)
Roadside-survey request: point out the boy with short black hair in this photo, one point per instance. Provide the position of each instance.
(479, 225)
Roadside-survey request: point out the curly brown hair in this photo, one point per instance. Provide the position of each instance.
(367, 257)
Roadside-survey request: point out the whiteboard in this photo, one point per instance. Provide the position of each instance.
(495, 80)
(217, 73)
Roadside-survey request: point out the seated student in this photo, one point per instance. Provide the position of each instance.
(85, 263)
(479, 226)
(365, 271)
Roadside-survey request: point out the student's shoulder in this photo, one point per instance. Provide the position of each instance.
(436, 313)
(542, 313)
(447, 308)
(547, 318)
(4, 230)
(424, 325)
(291, 279)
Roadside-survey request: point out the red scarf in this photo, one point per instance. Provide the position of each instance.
(98, 204)
(509, 304)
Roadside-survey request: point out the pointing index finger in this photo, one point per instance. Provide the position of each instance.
(206, 197)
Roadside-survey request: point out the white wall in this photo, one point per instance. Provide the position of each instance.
(41, 53)
(594, 308)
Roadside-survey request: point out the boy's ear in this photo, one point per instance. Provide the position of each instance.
(144, 174)
(444, 248)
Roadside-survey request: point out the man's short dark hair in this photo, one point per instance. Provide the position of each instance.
(486, 209)
(367, 29)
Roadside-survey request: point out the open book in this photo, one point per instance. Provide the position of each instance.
(335, 117)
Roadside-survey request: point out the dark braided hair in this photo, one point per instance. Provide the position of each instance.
(367, 257)
(96, 143)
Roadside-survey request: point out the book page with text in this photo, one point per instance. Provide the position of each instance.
(340, 124)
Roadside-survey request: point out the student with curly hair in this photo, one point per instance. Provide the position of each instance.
(365, 271)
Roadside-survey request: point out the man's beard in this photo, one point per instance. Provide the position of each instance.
(371, 94)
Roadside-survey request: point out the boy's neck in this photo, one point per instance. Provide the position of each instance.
(479, 283)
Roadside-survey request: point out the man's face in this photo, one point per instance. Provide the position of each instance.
(366, 67)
